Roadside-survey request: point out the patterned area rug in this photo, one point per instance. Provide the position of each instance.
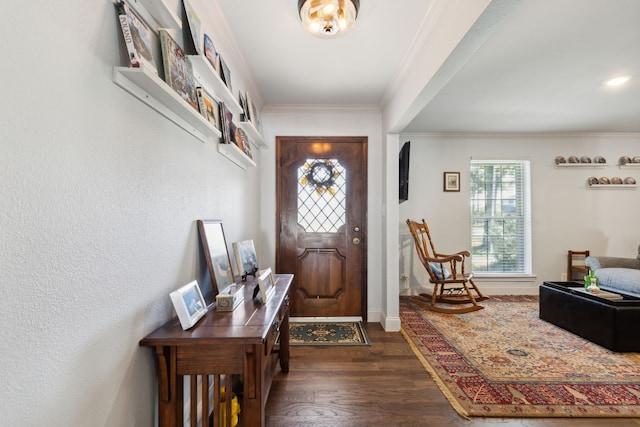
(327, 333)
(504, 361)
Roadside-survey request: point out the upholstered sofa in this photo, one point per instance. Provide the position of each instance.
(616, 273)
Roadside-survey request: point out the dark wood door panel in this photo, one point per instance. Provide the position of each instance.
(321, 194)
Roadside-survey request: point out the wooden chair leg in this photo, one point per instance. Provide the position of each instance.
(446, 310)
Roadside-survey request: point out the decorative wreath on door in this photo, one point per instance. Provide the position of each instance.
(322, 175)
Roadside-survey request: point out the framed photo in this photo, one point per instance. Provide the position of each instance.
(216, 253)
(246, 258)
(189, 304)
(267, 283)
(452, 181)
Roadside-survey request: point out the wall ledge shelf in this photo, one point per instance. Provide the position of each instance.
(210, 80)
(236, 155)
(582, 165)
(613, 186)
(630, 166)
(160, 12)
(153, 91)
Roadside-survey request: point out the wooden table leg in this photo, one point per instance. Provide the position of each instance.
(284, 344)
(170, 388)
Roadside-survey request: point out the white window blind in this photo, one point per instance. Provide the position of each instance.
(500, 216)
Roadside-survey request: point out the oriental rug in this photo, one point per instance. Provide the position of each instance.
(504, 361)
(327, 333)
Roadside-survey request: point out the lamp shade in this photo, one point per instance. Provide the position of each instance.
(328, 18)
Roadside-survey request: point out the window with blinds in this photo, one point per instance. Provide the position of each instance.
(500, 216)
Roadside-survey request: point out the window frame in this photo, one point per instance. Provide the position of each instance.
(517, 216)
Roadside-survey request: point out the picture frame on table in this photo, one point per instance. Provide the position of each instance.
(216, 254)
(189, 304)
(246, 258)
(267, 284)
(451, 181)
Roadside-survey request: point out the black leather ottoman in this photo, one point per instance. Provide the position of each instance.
(613, 324)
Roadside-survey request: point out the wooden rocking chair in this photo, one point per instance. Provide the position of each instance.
(451, 285)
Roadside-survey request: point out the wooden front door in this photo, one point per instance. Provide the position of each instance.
(322, 197)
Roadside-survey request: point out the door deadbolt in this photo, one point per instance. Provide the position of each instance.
(356, 228)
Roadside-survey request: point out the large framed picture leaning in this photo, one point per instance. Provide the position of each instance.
(216, 253)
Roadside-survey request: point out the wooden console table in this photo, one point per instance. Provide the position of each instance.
(241, 342)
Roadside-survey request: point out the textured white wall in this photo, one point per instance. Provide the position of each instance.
(99, 196)
(565, 214)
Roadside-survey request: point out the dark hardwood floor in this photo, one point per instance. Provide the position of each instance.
(379, 385)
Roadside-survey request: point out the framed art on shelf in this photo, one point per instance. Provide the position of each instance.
(452, 181)
(189, 304)
(216, 253)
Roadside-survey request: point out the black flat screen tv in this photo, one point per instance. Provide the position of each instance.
(404, 172)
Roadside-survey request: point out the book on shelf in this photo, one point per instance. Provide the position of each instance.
(245, 144)
(177, 69)
(138, 37)
(208, 107)
(242, 100)
(251, 108)
(195, 27)
(228, 128)
(246, 258)
(225, 72)
(211, 54)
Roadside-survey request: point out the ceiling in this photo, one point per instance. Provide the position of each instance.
(540, 67)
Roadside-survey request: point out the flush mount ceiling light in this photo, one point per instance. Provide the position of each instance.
(617, 81)
(328, 18)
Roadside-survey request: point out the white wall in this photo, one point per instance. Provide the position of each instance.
(328, 122)
(99, 198)
(565, 213)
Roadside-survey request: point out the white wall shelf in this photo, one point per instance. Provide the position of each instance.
(144, 84)
(582, 165)
(630, 166)
(236, 155)
(153, 91)
(613, 186)
(212, 83)
(160, 13)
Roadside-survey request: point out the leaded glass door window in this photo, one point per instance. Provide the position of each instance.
(322, 193)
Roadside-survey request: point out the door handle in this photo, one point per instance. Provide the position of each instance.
(356, 240)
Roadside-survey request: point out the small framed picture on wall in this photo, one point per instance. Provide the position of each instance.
(452, 181)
